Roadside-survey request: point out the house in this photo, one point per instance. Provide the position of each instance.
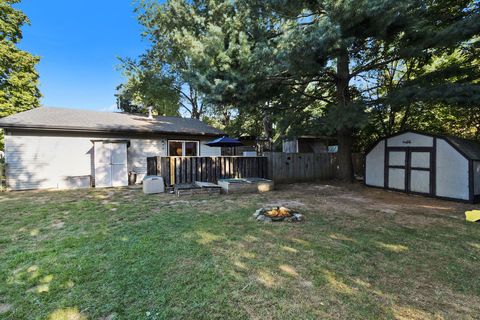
(66, 148)
(309, 144)
(420, 163)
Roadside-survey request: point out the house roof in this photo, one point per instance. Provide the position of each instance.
(62, 119)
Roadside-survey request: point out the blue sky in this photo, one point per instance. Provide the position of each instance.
(78, 43)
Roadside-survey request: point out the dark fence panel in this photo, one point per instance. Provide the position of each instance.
(278, 166)
(176, 170)
(292, 167)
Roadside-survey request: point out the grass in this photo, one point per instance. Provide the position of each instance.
(118, 254)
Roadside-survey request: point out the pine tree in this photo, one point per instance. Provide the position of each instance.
(338, 47)
(290, 56)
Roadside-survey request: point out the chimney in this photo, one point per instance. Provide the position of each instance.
(150, 115)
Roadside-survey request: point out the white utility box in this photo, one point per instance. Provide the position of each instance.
(153, 184)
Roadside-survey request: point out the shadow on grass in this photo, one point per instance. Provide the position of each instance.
(200, 260)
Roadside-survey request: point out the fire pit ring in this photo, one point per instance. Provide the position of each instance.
(274, 214)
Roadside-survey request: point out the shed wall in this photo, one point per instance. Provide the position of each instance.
(451, 172)
(319, 147)
(290, 146)
(375, 165)
(38, 160)
(410, 139)
(476, 177)
(207, 151)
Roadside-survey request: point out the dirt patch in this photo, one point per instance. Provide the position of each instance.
(5, 307)
(374, 206)
(57, 225)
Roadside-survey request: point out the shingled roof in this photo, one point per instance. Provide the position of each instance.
(471, 149)
(63, 119)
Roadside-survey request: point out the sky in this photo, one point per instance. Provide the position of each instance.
(78, 43)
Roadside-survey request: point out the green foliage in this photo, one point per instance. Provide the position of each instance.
(18, 77)
(147, 86)
(352, 68)
(441, 96)
(171, 55)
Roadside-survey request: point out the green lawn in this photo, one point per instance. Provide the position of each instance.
(118, 254)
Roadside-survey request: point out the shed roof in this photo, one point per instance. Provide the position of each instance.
(471, 149)
(62, 119)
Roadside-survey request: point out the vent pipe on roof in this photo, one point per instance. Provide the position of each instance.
(150, 115)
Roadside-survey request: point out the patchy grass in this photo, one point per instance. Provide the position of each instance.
(118, 254)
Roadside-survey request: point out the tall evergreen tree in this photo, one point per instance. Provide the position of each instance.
(338, 47)
(18, 76)
(327, 55)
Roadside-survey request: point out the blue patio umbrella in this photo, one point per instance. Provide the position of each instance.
(224, 142)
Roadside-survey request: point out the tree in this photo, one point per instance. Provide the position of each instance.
(161, 29)
(18, 77)
(449, 113)
(147, 86)
(339, 47)
(324, 61)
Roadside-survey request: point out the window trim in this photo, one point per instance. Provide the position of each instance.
(183, 147)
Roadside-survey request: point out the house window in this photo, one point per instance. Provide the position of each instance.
(178, 148)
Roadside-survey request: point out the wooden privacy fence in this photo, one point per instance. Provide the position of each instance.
(176, 170)
(288, 167)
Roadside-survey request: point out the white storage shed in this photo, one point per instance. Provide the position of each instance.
(420, 163)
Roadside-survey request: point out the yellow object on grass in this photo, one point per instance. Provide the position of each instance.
(473, 215)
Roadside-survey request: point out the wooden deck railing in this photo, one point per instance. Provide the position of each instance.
(176, 170)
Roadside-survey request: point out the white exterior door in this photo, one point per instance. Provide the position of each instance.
(110, 164)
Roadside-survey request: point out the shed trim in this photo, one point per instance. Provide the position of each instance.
(472, 198)
(433, 135)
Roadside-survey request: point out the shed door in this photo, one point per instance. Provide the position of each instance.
(397, 169)
(409, 169)
(420, 171)
(110, 164)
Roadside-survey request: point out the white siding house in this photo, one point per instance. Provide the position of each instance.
(62, 148)
(412, 162)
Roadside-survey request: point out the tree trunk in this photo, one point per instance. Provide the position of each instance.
(344, 155)
(267, 125)
(194, 101)
(225, 117)
(344, 130)
(267, 131)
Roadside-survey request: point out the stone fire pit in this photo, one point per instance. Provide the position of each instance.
(277, 214)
